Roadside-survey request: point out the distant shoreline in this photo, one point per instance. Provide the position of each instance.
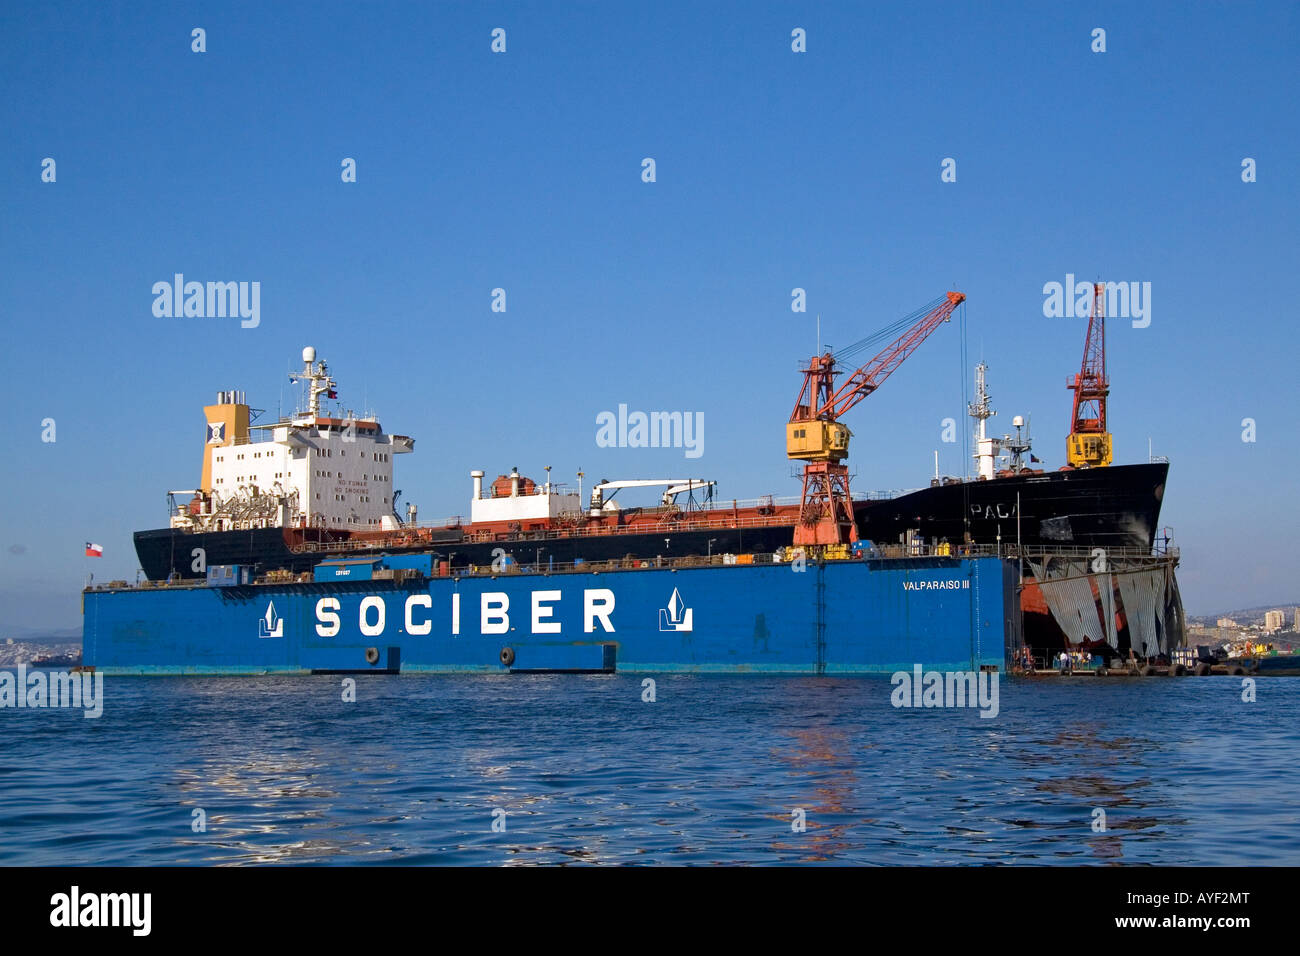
(62, 653)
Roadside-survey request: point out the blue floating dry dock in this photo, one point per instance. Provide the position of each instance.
(396, 615)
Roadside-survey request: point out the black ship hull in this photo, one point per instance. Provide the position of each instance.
(1114, 507)
(1117, 507)
(168, 552)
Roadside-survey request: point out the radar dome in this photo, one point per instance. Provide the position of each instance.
(309, 354)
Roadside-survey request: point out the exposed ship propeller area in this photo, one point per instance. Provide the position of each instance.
(1129, 601)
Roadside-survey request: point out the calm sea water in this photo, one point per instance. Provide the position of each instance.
(285, 771)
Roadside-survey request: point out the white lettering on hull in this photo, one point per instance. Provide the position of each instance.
(494, 617)
(327, 615)
(540, 612)
(494, 613)
(414, 601)
(377, 628)
(989, 512)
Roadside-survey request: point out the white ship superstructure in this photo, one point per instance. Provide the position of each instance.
(309, 470)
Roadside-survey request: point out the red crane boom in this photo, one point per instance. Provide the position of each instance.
(815, 435)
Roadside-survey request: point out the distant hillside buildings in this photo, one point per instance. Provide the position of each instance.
(1278, 620)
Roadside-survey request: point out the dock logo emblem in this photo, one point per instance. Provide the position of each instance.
(676, 616)
(216, 433)
(270, 624)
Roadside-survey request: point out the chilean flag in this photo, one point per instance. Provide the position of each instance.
(94, 550)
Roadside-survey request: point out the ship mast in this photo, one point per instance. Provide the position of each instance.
(316, 375)
(986, 449)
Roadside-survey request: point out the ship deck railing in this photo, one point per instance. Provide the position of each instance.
(1096, 553)
(717, 505)
(669, 522)
(261, 438)
(892, 552)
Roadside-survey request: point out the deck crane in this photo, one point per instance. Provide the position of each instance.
(1089, 444)
(816, 436)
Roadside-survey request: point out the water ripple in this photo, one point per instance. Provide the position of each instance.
(419, 769)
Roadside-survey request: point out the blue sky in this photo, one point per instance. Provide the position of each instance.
(522, 171)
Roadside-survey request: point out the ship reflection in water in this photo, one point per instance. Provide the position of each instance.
(558, 770)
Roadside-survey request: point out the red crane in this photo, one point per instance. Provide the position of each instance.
(1089, 444)
(816, 436)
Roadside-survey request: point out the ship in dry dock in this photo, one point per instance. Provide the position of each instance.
(281, 497)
